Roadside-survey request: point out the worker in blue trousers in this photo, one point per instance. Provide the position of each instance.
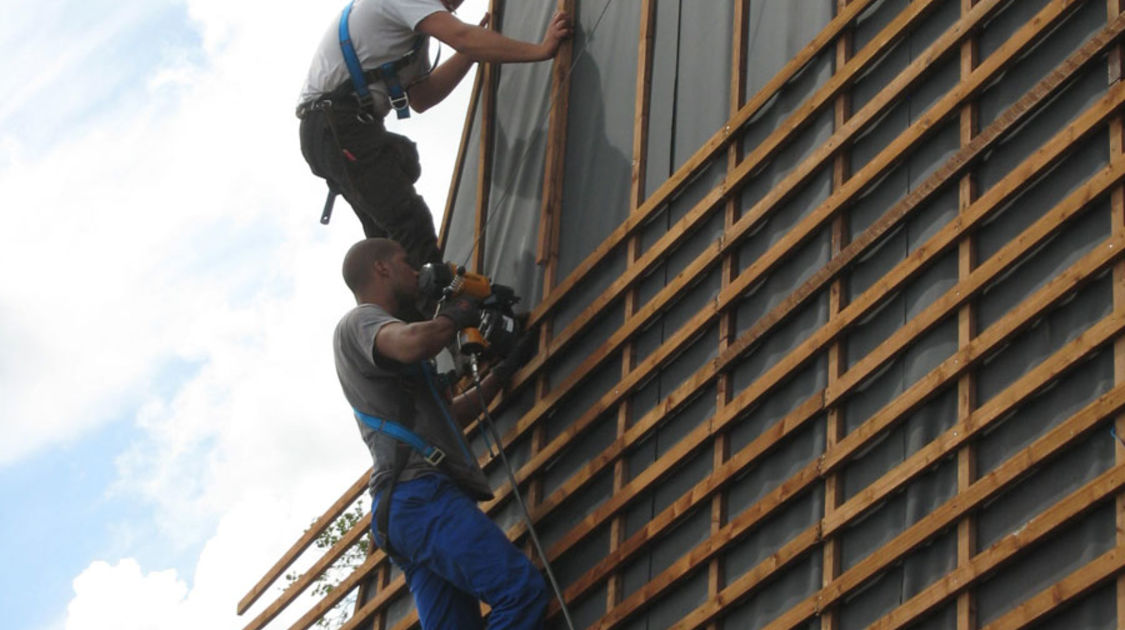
(452, 555)
(374, 59)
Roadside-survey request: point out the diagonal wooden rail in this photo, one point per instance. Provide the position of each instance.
(304, 542)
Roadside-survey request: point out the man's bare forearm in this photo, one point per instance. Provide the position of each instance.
(485, 45)
(438, 85)
(467, 406)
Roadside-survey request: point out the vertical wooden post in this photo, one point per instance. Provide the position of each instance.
(554, 164)
(383, 579)
(966, 330)
(550, 208)
(837, 363)
(1117, 222)
(459, 165)
(727, 324)
(484, 174)
(614, 594)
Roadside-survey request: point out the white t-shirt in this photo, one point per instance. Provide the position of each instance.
(381, 31)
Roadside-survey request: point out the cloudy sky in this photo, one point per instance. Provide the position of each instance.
(171, 420)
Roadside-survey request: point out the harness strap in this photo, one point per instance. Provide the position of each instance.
(383, 510)
(329, 201)
(387, 72)
(432, 454)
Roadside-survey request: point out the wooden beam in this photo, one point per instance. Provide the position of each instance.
(305, 541)
(322, 564)
(1116, 65)
(642, 104)
(720, 448)
(966, 330)
(643, 100)
(317, 612)
(796, 484)
(488, 73)
(554, 163)
(831, 557)
(459, 165)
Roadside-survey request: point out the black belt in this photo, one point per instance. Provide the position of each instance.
(344, 94)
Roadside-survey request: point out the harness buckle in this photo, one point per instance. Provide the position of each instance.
(401, 105)
(435, 457)
(365, 113)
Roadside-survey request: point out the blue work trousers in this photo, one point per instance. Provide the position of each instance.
(453, 557)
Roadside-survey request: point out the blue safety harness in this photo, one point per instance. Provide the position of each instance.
(406, 439)
(387, 72)
(432, 454)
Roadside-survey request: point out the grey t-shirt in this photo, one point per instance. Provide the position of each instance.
(381, 31)
(386, 389)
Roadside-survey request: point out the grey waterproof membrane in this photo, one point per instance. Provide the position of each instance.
(689, 102)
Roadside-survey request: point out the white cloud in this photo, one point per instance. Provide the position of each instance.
(122, 595)
(134, 601)
(169, 260)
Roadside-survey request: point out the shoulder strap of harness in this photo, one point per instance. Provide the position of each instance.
(387, 72)
(432, 454)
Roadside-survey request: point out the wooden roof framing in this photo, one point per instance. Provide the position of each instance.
(957, 105)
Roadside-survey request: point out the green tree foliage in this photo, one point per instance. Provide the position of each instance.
(352, 558)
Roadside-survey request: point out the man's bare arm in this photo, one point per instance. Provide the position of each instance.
(438, 84)
(467, 406)
(482, 44)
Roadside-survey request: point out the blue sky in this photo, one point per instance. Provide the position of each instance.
(171, 417)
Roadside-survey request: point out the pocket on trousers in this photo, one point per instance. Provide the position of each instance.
(406, 153)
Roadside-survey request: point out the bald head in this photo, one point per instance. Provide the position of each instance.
(362, 256)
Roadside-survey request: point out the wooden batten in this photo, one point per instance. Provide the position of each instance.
(488, 73)
(462, 155)
(1115, 67)
(555, 159)
(305, 541)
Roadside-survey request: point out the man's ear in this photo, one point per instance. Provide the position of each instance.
(381, 268)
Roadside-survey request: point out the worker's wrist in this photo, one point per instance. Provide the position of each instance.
(545, 51)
